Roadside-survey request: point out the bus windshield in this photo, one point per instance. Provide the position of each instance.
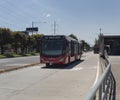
(52, 47)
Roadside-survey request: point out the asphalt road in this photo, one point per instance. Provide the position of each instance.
(8, 63)
(71, 82)
(115, 62)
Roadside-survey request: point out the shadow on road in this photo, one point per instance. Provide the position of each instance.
(67, 66)
(114, 55)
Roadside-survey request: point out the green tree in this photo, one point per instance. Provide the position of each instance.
(85, 45)
(23, 43)
(5, 38)
(31, 42)
(37, 39)
(19, 41)
(73, 36)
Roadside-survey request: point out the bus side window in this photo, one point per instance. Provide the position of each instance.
(79, 48)
(72, 48)
(75, 48)
(67, 46)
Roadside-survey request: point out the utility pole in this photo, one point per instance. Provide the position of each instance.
(32, 26)
(54, 27)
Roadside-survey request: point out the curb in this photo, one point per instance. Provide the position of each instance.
(16, 68)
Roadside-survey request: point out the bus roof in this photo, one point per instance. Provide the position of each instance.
(58, 37)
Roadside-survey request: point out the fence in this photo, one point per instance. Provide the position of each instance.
(105, 88)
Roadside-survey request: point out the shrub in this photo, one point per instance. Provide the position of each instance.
(9, 54)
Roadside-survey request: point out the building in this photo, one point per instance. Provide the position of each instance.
(112, 44)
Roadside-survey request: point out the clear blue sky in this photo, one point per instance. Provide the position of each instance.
(83, 18)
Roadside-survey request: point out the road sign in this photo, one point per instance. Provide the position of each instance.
(32, 29)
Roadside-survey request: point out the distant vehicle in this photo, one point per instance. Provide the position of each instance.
(96, 49)
(59, 49)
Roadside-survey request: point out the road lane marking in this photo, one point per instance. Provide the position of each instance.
(76, 69)
(97, 74)
(16, 64)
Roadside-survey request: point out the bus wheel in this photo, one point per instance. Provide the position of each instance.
(47, 64)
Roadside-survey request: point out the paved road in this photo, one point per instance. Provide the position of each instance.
(16, 62)
(50, 83)
(115, 62)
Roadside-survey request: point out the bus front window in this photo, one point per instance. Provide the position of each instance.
(52, 47)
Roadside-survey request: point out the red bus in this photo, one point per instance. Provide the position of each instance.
(59, 49)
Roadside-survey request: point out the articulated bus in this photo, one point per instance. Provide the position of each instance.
(59, 49)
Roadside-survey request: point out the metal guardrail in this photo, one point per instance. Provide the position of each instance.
(105, 88)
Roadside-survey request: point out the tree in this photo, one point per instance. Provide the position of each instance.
(23, 43)
(85, 45)
(31, 43)
(37, 38)
(19, 41)
(73, 36)
(5, 38)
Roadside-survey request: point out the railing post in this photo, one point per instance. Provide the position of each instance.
(100, 92)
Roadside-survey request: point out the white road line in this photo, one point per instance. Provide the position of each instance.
(76, 69)
(97, 74)
(15, 64)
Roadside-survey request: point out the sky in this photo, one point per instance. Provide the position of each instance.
(83, 18)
